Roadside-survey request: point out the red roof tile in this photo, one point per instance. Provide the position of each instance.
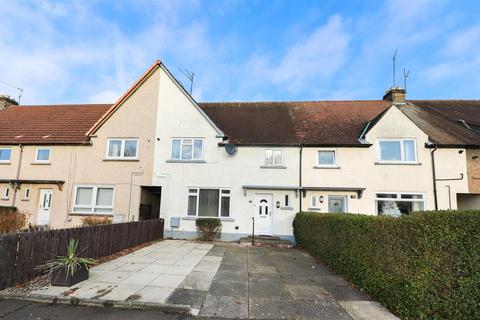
(51, 124)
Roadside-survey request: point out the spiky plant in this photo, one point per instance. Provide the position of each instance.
(70, 262)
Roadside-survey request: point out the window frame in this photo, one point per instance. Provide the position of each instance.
(399, 198)
(314, 201)
(10, 155)
(320, 165)
(334, 196)
(93, 200)
(122, 149)
(37, 149)
(6, 193)
(402, 150)
(182, 144)
(221, 194)
(273, 150)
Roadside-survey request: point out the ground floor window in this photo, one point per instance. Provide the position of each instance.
(337, 204)
(208, 202)
(396, 203)
(93, 199)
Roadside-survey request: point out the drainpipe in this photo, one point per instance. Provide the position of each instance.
(300, 179)
(16, 184)
(434, 177)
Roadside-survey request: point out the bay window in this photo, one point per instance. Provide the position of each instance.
(208, 202)
(93, 199)
(402, 150)
(396, 204)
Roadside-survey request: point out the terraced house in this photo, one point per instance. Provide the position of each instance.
(156, 152)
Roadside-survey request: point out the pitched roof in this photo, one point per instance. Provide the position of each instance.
(440, 120)
(309, 123)
(49, 124)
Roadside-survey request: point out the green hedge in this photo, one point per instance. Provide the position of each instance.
(421, 266)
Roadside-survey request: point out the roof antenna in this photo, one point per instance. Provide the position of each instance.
(394, 58)
(405, 77)
(190, 75)
(20, 90)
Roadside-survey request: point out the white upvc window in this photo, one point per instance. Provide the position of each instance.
(398, 203)
(326, 158)
(6, 193)
(26, 194)
(122, 148)
(187, 149)
(314, 201)
(42, 155)
(5, 155)
(208, 202)
(397, 150)
(273, 157)
(94, 199)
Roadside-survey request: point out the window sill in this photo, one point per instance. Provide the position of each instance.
(40, 163)
(121, 160)
(221, 219)
(326, 167)
(4, 199)
(314, 209)
(398, 163)
(185, 161)
(286, 208)
(24, 199)
(82, 214)
(273, 167)
(5, 163)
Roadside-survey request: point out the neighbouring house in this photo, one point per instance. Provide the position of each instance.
(156, 152)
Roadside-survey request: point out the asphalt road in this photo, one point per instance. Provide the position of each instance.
(18, 309)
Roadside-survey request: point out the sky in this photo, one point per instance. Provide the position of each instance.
(266, 50)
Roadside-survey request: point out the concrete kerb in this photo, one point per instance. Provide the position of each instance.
(169, 308)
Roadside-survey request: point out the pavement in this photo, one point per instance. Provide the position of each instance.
(225, 281)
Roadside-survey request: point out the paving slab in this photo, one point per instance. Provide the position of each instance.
(198, 280)
(227, 307)
(325, 310)
(308, 292)
(190, 297)
(367, 310)
(264, 308)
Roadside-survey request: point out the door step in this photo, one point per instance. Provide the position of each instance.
(266, 241)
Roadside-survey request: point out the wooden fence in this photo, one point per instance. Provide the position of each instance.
(21, 253)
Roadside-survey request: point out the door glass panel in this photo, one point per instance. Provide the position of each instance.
(336, 204)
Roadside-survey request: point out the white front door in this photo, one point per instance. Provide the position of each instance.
(44, 205)
(263, 214)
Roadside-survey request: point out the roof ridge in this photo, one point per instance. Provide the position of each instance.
(286, 101)
(64, 105)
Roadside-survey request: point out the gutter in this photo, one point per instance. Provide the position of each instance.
(16, 186)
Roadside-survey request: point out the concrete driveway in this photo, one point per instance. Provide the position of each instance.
(227, 281)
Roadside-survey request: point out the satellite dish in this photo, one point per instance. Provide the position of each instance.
(231, 149)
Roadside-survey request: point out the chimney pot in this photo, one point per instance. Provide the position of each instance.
(6, 101)
(396, 95)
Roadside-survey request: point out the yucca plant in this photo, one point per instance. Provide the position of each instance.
(68, 269)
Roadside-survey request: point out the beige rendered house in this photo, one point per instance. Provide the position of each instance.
(156, 152)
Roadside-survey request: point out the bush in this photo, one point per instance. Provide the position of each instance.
(209, 228)
(95, 221)
(421, 266)
(11, 220)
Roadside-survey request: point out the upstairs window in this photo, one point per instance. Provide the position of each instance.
(273, 157)
(42, 155)
(403, 150)
(5, 155)
(187, 149)
(326, 158)
(122, 149)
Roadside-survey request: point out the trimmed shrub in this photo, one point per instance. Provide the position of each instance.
(11, 220)
(95, 221)
(208, 228)
(421, 266)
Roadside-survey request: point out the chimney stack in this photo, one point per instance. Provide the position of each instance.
(6, 101)
(396, 95)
